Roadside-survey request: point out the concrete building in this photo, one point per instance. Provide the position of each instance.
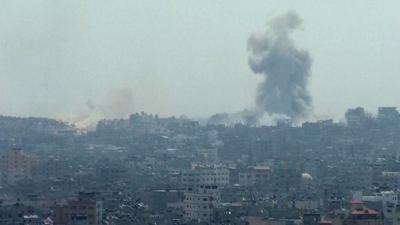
(384, 201)
(205, 175)
(392, 214)
(306, 204)
(388, 113)
(15, 165)
(18, 213)
(386, 197)
(361, 215)
(199, 205)
(208, 155)
(254, 175)
(85, 210)
(355, 117)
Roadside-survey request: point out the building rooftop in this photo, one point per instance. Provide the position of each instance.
(364, 211)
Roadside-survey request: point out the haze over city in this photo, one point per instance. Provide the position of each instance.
(62, 59)
(208, 112)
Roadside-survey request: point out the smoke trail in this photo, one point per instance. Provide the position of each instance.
(90, 105)
(285, 68)
(118, 104)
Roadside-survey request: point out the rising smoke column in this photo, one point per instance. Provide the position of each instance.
(118, 104)
(285, 68)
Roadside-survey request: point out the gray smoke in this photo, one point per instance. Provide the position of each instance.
(118, 104)
(285, 68)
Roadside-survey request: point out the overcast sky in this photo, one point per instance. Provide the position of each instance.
(188, 56)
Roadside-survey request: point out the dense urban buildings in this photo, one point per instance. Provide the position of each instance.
(153, 170)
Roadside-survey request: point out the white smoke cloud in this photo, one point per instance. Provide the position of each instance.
(118, 103)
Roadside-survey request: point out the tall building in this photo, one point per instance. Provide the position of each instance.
(254, 175)
(85, 210)
(205, 175)
(355, 117)
(361, 215)
(388, 113)
(199, 204)
(15, 164)
(392, 214)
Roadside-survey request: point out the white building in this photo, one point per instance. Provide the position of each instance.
(205, 175)
(389, 202)
(199, 205)
(386, 197)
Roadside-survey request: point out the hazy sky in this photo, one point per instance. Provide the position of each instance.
(188, 56)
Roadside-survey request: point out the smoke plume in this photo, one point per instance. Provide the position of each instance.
(286, 68)
(119, 103)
